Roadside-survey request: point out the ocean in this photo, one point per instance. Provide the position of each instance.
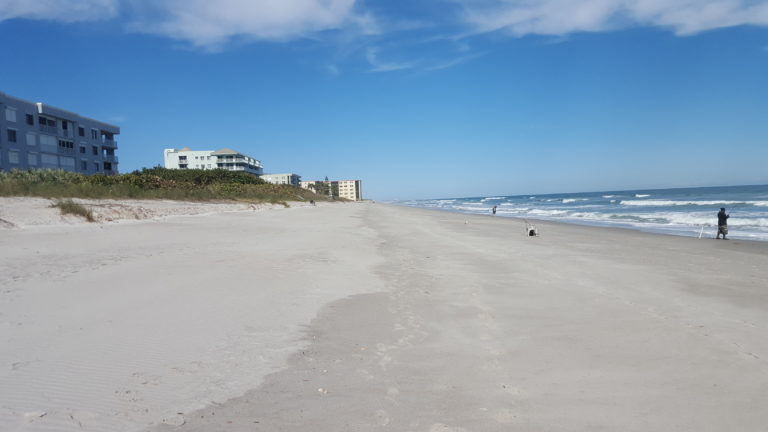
(684, 211)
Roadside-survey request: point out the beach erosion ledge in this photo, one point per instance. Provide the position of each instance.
(360, 316)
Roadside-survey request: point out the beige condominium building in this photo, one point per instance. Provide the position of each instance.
(349, 189)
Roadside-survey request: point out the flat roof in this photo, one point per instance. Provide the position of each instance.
(51, 110)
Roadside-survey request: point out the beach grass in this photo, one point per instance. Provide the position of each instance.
(152, 183)
(70, 207)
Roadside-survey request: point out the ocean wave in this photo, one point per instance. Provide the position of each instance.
(610, 196)
(548, 213)
(572, 200)
(665, 203)
(492, 199)
(642, 195)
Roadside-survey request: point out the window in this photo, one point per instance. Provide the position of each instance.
(94, 134)
(49, 161)
(30, 119)
(95, 151)
(51, 122)
(81, 131)
(10, 114)
(48, 143)
(82, 150)
(31, 138)
(83, 165)
(13, 156)
(11, 135)
(67, 163)
(32, 159)
(95, 166)
(66, 144)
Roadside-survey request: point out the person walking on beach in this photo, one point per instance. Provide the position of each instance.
(494, 210)
(722, 223)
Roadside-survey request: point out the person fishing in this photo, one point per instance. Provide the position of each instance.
(722, 223)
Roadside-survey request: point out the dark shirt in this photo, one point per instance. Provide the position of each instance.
(722, 218)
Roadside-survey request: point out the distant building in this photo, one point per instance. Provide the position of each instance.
(225, 158)
(286, 179)
(34, 135)
(349, 189)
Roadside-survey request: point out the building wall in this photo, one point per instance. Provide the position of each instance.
(289, 179)
(204, 159)
(35, 135)
(196, 159)
(349, 189)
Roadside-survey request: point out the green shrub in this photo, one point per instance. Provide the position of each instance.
(152, 183)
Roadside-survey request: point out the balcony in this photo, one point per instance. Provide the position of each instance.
(110, 158)
(109, 143)
(49, 129)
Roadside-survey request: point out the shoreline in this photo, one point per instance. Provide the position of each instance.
(372, 316)
(657, 231)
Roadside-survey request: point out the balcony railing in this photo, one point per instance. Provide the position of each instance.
(49, 129)
(109, 143)
(110, 158)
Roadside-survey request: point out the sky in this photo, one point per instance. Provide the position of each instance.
(416, 98)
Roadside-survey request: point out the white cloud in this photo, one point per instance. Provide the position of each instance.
(59, 10)
(560, 17)
(210, 24)
(377, 65)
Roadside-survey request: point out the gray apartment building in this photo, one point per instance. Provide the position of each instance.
(34, 135)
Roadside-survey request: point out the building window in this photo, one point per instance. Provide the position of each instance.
(94, 134)
(81, 131)
(82, 150)
(96, 166)
(32, 159)
(95, 150)
(48, 143)
(31, 138)
(10, 114)
(11, 135)
(13, 156)
(30, 119)
(83, 165)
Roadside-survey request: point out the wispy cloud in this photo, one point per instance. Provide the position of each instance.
(446, 64)
(561, 17)
(211, 24)
(59, 10)
(378, 65)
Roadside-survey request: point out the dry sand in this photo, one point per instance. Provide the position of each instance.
(367, 316)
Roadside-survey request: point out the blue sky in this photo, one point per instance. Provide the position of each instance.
(419, 99)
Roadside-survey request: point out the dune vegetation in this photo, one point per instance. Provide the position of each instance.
(151, 183)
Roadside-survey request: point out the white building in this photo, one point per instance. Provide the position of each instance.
(286, 179)
(225, 158)
(349, 189)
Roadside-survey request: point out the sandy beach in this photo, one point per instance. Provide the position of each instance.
(366, 316)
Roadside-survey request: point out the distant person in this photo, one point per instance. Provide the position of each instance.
(494, 210)
(722, 223)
